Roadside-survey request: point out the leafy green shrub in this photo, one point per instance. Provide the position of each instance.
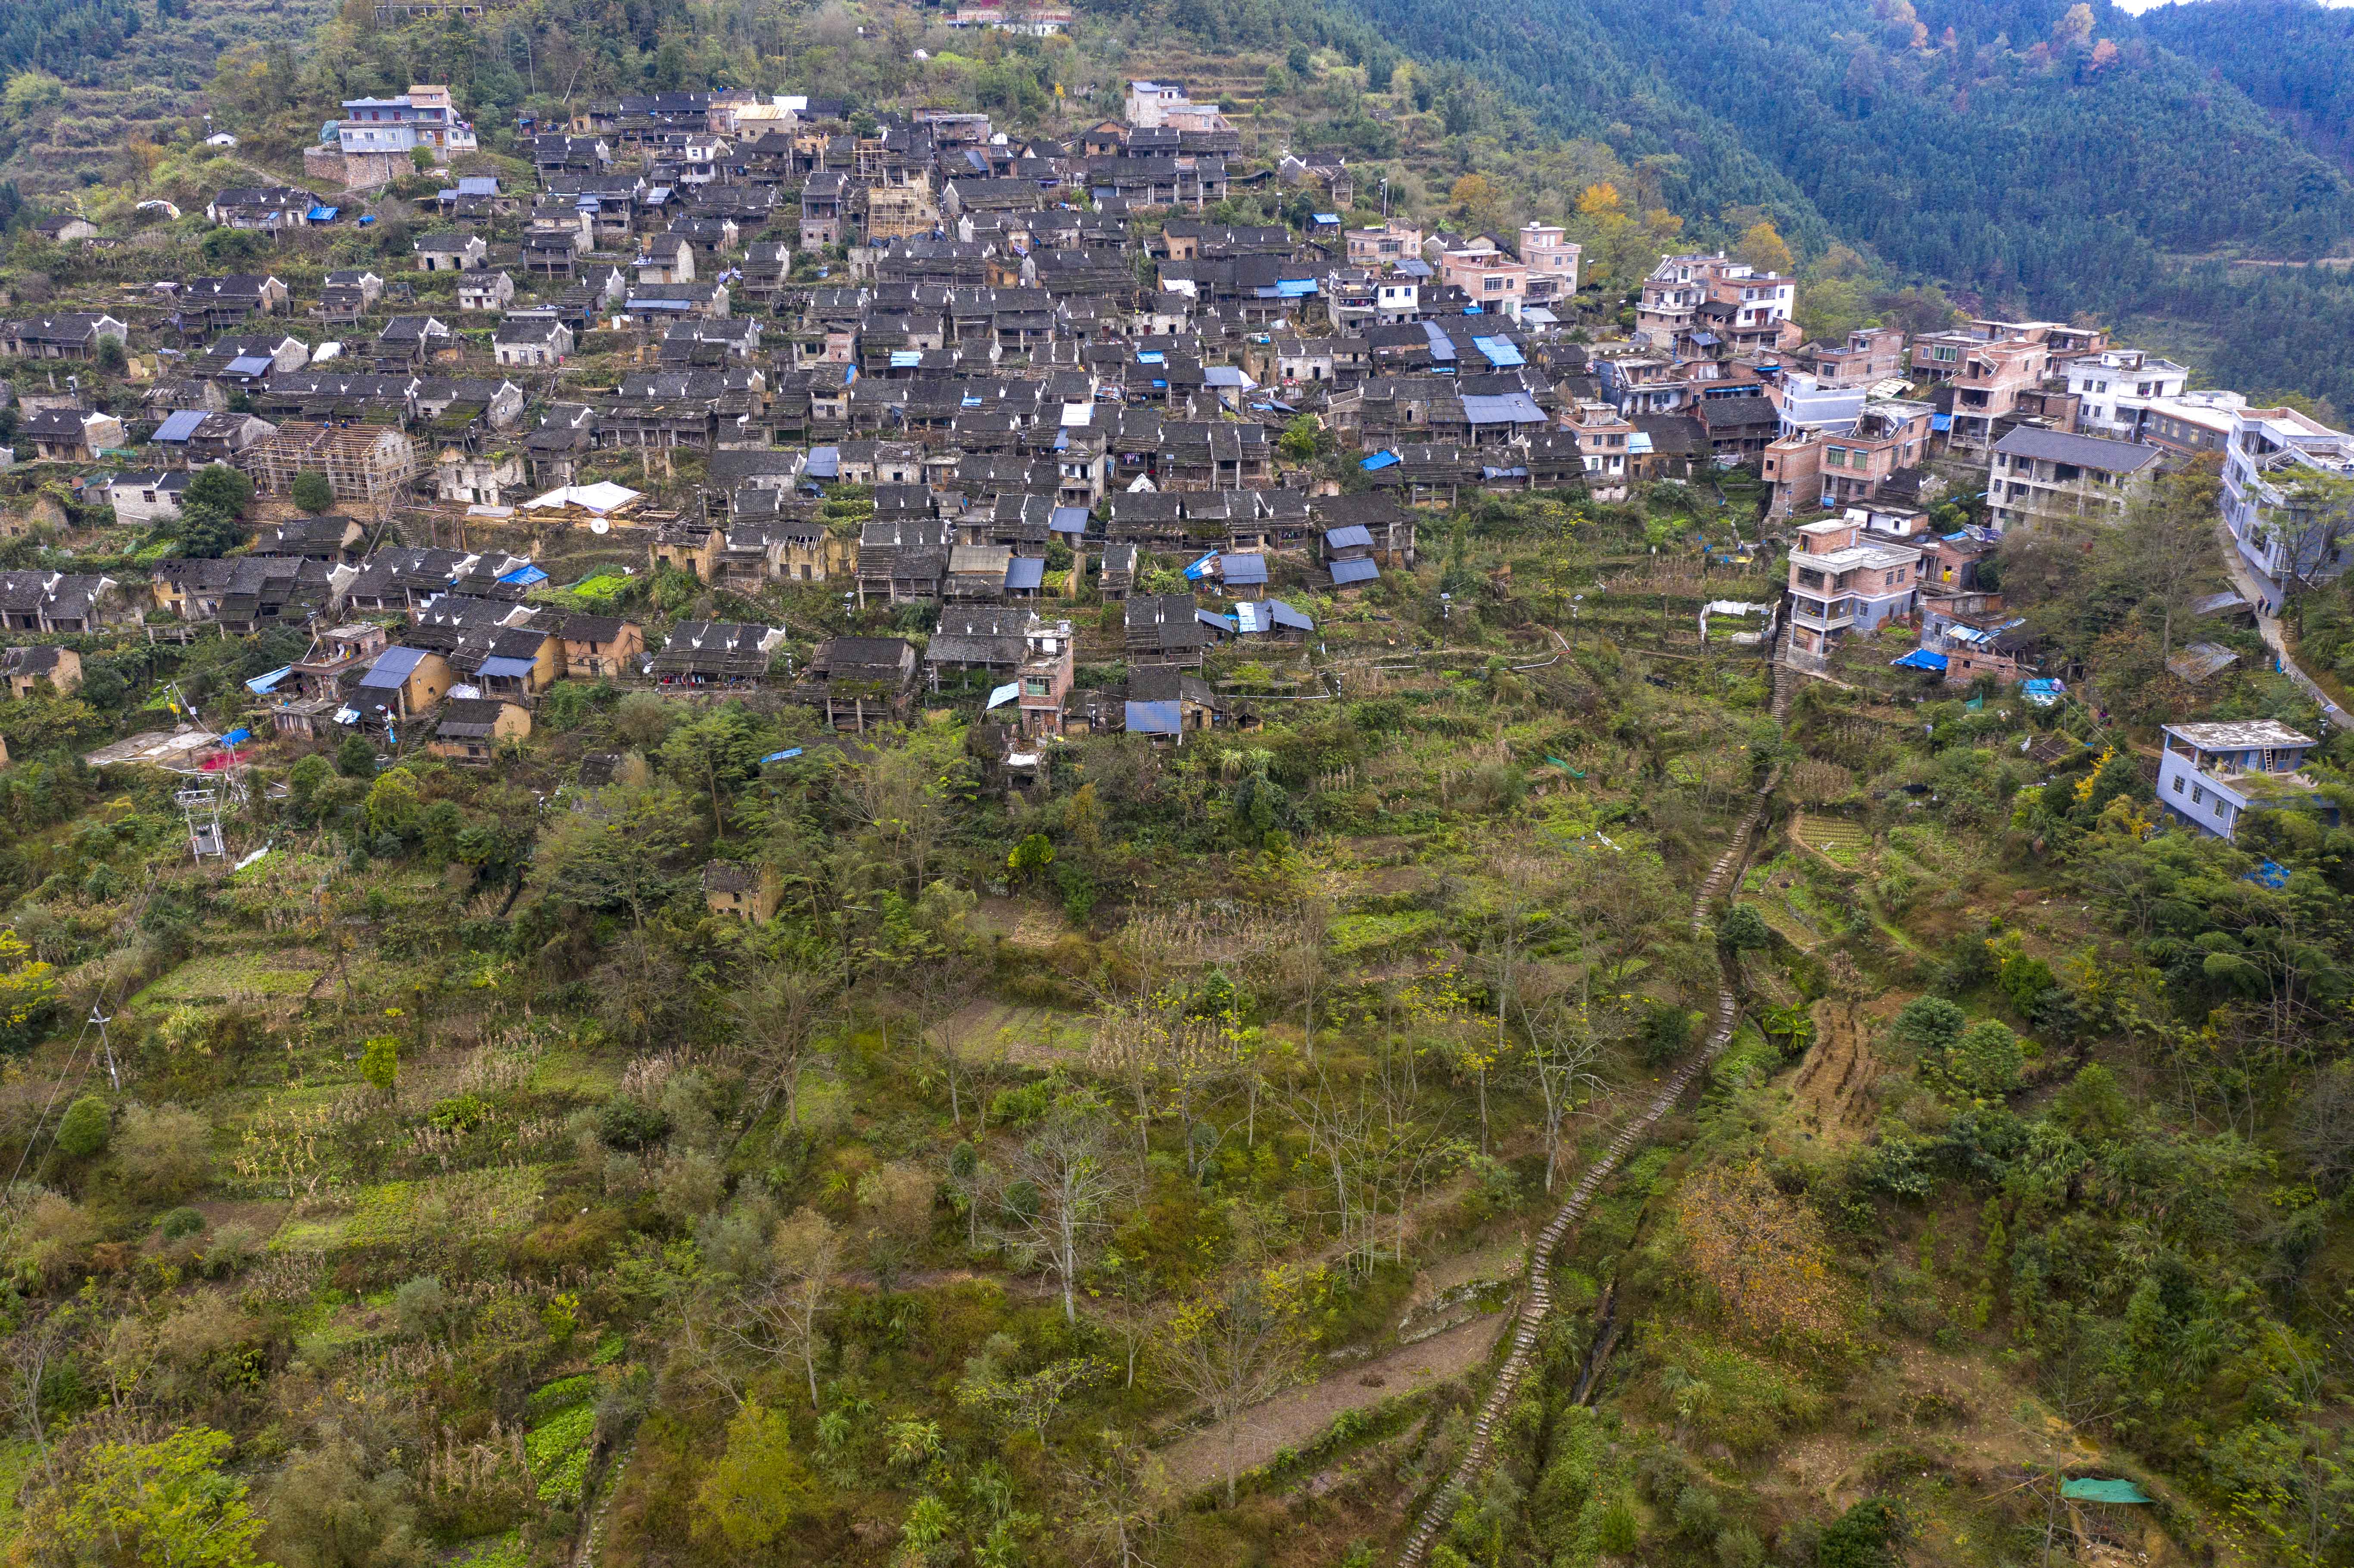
(460, 1113)
(421, 1305)
(85, 1128)
(1664, 1033)
(625, 1123)
(1929, 1025)
(179, 1223)
(1859, 1538)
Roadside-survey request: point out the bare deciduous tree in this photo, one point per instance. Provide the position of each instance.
(1057, 1206)
(778, 1016)
(1234, 1348)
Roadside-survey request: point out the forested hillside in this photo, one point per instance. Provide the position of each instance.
(2291, 56)
(2049, 161)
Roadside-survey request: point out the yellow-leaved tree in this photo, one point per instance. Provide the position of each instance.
(1763, 1254)
(27, 987)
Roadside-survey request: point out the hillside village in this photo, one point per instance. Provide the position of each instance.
(829, 834)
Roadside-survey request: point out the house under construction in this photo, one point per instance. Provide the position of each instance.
(370, 464)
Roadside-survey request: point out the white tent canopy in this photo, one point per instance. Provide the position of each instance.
(602, 496)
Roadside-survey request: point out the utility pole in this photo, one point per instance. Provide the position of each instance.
(101, 1020)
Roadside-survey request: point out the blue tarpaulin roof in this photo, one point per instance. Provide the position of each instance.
(523, 575)
(1347, 572)
(1500, 352)
(1001, 695)
(1244, 569)
(499, 667)
(237, 736)
(1941, 422)
(262, 685)
(823, 463)
(1294, 288)
(1325, 216)
(1025, 572)
(1201, 568)
(1154, 718)
(1150, 357)
(785, 756)
(180, 426)
(2271, 873)
(1921, 659)
(1379, 459)
(906, 358)
(322, 213)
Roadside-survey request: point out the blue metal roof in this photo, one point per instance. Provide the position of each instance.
(906, 358)
(1246, 569)
(1154, 718)
(1068, 520)
(1346, 572)
(1441, 345)
(180, 426)
(1510, 408)
(1354, 535)
(1378, 461)
(1283, 614)
(251, 364)
(1025, 572)
(393, 666)
(498, 666)
(1333, 217)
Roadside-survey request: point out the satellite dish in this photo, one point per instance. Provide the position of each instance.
(598, 525)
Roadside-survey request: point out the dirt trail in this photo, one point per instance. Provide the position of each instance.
(1294, 1418)
(1537, 1302)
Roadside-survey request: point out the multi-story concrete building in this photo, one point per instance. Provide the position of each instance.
(1759, 303)
(2273, 456)
(2191, 424)
(1385, 246)
(1831, 466)
(2212, 774)
(2113, 386)
(1868, 354)
(1842, 581)
(1494, 280)
(1552, 260)
(1988, 379)
(2045, 476)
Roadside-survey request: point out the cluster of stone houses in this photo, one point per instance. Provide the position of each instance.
(1052, 369)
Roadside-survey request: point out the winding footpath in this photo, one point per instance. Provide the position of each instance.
(1538, 1303)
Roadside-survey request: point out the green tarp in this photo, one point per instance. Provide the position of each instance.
(2101, 1491)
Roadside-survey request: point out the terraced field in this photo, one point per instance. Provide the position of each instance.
(154, 85)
